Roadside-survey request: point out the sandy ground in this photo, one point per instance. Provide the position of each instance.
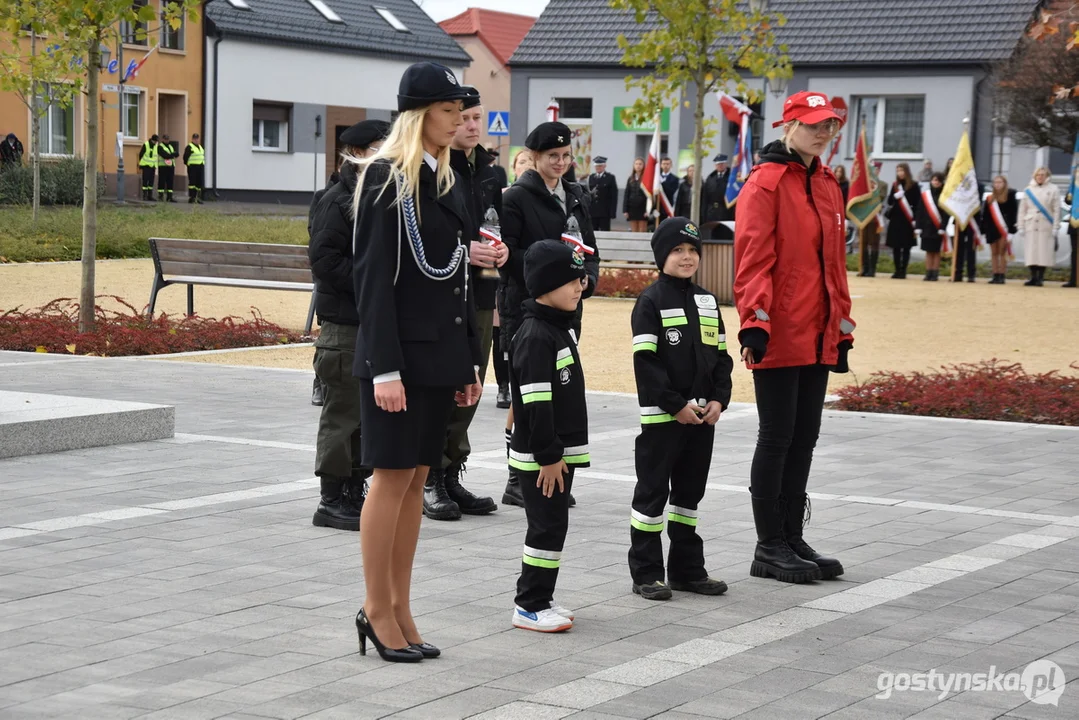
(902, 325)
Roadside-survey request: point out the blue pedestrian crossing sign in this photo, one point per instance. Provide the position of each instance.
(498, 123)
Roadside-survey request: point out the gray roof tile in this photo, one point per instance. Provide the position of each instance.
(296, 22)
(585, 32)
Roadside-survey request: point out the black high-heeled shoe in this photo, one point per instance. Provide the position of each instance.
(364, 630)
(428, 650)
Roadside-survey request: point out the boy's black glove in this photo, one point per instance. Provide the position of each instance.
(756, 340)
(841, 365)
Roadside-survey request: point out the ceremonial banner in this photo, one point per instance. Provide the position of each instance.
(864, 201)
(650, 180)
(743, 163)
(961, 197)
(581, 147)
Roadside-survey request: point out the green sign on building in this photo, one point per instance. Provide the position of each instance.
(623, 121)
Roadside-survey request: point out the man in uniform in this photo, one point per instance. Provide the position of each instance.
(715, 199)
(195, 160)
(503, 179)
(444, 497)
(148, 166)
(166, 169)
(669, 182)
(604, 191)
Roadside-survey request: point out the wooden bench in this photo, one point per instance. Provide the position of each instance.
(624, 250)
(261, 266)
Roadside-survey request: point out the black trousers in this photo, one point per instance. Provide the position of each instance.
(601, 223)
(965, 255)
(548, 522)
(672, 463)
(337, 449)
(790, 402)
(166, 178)
(195, 177)
(458, 447)
(1074, 241)
(148, 181)
(502, 366)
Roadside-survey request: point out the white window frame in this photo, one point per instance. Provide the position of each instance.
(282, 136)
(239, 4)
(326, 11)
(166, 29)
(877, 153)
(45, 119)
(391, 19)
(138, 93)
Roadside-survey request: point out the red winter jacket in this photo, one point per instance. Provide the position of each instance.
(790, 261)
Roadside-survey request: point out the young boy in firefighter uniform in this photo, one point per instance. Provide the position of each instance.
(683, 375)
(550, 432)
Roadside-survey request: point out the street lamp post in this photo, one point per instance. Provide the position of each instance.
(120, 194)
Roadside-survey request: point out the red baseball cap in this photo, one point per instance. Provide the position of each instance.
(809, 108)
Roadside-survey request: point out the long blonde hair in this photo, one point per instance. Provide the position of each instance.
(788, 132)
(404, 151)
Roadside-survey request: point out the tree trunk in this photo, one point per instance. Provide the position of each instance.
(35, 162)
(89, 190)
(698, 150)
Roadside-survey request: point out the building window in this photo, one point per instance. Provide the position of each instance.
(55, 125)
(269, 127)
(574, 108)
(239, 4)
(134, 33)
(326, 11)
(171, 39)
(132, 110)
(390, 18)
(894, 126)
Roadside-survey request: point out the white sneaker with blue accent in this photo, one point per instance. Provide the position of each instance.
(547, 621)
(568, 614)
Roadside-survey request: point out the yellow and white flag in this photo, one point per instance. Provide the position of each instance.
(961, 197)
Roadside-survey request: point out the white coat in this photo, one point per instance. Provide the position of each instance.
(1039, 235)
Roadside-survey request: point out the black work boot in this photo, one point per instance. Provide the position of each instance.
(334, 510)
(469, 503)
(512, 494)
(316, 393)
(704, 586)
(437, 504)
(502, 402)
(799, 511)
(356, 488)
(773, 557)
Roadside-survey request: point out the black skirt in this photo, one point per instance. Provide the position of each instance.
(932, 243)
(403, 440)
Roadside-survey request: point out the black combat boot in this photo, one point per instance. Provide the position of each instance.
(469, 503)
(356, 488)
(502, 402)
(316, 393)
(512, 494)
(799, 511)
(335, 510)
(773, 557)
(437, 504)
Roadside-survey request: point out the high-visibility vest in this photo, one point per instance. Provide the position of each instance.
(149, 155)
(164, 161)
(198, 155)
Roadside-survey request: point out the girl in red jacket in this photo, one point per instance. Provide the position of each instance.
(790, 288)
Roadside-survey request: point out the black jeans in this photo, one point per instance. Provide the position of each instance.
(965, 257)
(789, 402)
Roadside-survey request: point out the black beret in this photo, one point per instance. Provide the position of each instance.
(719, 158)
(473, 98)
(599, 160)
(366, 132)
(671, 233)
(550, 264)
(426, 83)
(548, 135)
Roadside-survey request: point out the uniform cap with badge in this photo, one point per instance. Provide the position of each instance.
(426, 83)
(550, 264)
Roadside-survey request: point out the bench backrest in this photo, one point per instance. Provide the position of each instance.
(222, 259)
(625, 247)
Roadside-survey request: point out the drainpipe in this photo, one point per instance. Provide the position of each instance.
(213, 151)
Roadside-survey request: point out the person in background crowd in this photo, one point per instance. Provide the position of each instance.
(1073, 234)
(1000, 213)
(683, 199)
(931, 226)
(195, 160)
(635, 199)
(869, 235)
(604, 191)
(1039, 213)
(714, 200)
(148, 166)
(166, 169)
(791, 292)
(840, 173)
(11, 152)
(418, 348)
(948, 168)
(669, 182)
(522, 162)
(902, 204)
(444, 497)
(537, 207)
(342, 478)
(927, 173)
(500, 172)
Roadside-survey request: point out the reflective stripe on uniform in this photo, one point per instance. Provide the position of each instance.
(682, 515)
(563, 359)
(198, 155)
(541, 558)
(722, 342)
(535, 392)
(709, 322)
(654, 415)
(576, 455)
(644, 523)
(674, 316)
(523, 461)
(705, 312)
(645, 342)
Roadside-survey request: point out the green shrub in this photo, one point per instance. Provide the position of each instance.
(61, 183)
(885, 266)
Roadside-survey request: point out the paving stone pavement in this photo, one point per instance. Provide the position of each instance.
(183, 579)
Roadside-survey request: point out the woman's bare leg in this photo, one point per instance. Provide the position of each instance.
(378, 530)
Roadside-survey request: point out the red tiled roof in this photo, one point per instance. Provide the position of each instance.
(501, 32)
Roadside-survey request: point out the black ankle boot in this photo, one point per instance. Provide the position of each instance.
(470, 504)
(335, 510)
(317, 396)
(512, 495)
(502, 401)
(773, 557)
(437, 503)
(799, 511)
(356, 488)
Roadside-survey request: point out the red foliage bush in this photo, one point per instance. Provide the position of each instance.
(54, 328)
(989, 390)
(624, 283)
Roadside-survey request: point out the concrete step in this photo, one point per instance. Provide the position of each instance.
(33, 423)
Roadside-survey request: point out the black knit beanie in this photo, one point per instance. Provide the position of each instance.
(671, 233)
(550, 264)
